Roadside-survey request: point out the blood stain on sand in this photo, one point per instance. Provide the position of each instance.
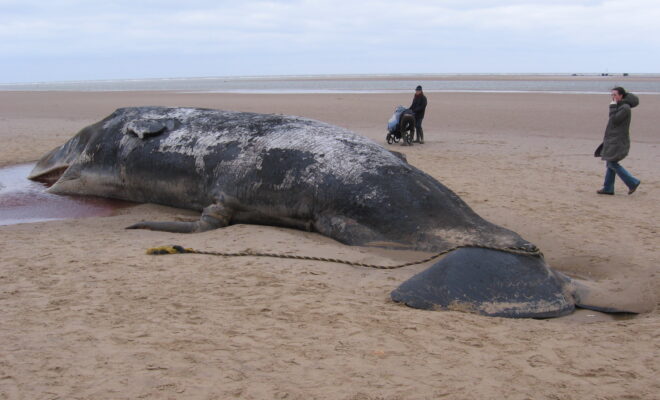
(22, 200)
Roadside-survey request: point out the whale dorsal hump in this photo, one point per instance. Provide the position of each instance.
(144, 128)
(401, 156)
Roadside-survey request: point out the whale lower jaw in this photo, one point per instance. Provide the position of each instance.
(48, 176)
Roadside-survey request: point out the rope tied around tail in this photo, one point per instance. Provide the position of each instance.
(176, 249)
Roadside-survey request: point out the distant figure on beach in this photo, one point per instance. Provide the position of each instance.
(418, 108)
(616, 142)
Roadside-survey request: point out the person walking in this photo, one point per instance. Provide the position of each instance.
(418, 108)
(616, 142)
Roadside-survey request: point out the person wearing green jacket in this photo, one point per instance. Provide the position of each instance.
(616, 142)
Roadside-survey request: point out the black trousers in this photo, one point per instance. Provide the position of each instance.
(419, 130)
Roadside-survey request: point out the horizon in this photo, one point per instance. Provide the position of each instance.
(332, 76)
(78, 40)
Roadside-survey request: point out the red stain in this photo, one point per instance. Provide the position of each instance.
(22, 200)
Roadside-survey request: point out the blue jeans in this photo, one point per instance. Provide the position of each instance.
(613, 169)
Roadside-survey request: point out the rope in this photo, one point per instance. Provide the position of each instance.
(175, 249)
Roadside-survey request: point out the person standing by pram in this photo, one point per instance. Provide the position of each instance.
(418, 108)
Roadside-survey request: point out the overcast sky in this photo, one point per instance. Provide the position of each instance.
(55, 40)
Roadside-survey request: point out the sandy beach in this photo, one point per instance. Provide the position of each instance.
(86, 314)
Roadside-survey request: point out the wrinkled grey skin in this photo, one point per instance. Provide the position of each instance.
(266, 169)
(292, 172)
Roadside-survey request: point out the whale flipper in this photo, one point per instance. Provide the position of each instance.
(213, 217)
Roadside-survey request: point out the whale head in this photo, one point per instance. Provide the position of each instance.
(89, 162)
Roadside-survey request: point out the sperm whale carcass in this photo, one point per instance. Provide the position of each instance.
(237, 167)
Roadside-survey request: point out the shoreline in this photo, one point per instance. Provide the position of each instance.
(317, 84)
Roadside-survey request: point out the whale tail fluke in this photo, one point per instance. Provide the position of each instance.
(608, 297)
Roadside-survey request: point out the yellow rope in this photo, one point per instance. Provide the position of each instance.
(175, 249)
(168, 250)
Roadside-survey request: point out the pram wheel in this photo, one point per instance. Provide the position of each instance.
(392, 138)
(408, 129)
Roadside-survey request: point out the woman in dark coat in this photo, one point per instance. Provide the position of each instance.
(418, 108)
(616, 142)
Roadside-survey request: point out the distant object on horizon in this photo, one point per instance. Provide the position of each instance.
(604, 74)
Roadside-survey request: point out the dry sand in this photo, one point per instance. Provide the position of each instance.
(85, 314)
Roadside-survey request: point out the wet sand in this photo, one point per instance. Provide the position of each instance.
(86, 314)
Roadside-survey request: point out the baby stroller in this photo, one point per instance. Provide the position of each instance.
(401, 126)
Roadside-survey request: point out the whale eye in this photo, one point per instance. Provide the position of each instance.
(144, 128)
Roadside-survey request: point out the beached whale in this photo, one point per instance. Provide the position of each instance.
(294, 172)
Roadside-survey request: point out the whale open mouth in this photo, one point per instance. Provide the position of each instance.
(48, 176)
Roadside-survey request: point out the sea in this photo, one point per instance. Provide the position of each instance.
(502, 83)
